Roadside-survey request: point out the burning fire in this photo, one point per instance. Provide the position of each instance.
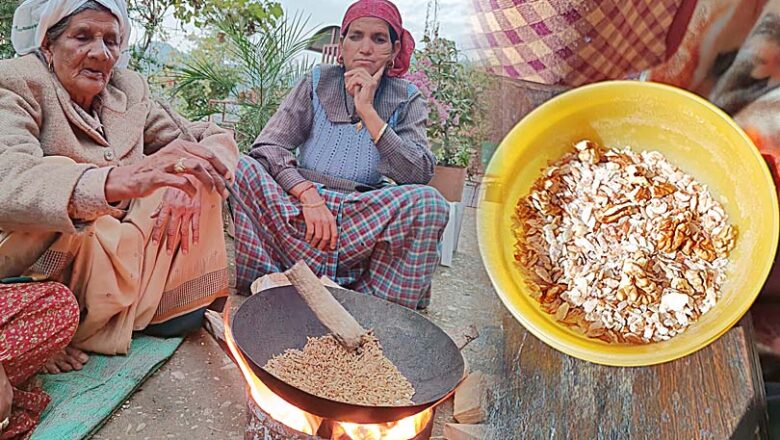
(278, 408)
(403, 429)
(307, 423)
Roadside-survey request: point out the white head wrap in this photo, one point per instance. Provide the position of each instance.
(34, 17)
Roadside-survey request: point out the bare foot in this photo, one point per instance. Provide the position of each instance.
(68, 359)
(6, 395)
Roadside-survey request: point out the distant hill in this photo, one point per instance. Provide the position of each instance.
(163, 53)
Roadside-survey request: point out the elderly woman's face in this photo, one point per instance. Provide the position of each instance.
(367, 45)
(86, 52)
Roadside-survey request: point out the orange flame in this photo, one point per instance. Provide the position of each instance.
(278, 408)
(307, 423)
(403, 429)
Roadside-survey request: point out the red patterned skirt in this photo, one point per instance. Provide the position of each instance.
(37, 320)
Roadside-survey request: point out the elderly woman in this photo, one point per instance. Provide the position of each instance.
(98, 188)
(354, 125)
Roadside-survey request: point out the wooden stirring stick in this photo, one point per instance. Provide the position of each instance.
(330, 312)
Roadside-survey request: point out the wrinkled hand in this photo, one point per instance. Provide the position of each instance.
(159, 170)
(178, 216)
(321, 230)
(362, 87)
(6, 395)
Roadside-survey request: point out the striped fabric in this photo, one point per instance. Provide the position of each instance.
(573, 42)
(388, 243)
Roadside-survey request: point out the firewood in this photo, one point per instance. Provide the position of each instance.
(215, 325)
(455, 431)
(328, 310)
(471, 400)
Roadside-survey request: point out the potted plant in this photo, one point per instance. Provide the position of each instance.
(449, 176)
(452, 94)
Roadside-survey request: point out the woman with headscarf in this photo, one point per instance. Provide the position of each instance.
(99, 190)
(355, 125)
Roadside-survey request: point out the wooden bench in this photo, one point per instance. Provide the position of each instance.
(715, 393)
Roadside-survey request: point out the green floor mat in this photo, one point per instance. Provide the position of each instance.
(83, 400)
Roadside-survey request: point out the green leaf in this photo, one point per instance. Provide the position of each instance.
(458, 86)
(261, 64)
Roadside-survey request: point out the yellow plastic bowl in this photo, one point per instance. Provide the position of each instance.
(694, 135)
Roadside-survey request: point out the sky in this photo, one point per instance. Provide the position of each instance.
(452, 17)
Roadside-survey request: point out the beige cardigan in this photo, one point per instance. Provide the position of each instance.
(37, 119)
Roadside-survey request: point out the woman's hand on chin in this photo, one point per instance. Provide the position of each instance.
(363, 86)
(168, 167)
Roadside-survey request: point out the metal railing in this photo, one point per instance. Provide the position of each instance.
(224, 118)
(330, 53)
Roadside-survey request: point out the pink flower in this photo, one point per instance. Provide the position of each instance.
(443, 112)
(421, 80)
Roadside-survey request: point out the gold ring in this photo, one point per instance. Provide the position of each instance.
(4, 424)
(179, 167)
